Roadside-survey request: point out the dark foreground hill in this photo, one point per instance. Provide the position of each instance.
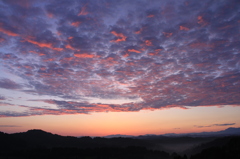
(40, 144)
(221, 148)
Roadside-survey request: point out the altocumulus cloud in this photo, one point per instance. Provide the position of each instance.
(151, 54)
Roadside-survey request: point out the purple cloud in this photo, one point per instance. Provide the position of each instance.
(2, 98)
(9, 84)
(161, 54)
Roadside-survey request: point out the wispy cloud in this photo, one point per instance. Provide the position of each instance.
(10, 126)
(2, 98)
(225, 124)
(9, 84)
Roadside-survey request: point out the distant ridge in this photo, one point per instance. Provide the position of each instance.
(227, 132)
(38, 138)
(118, 135)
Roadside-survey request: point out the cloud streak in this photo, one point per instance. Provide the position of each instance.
(213, 125)
(156, 55)
(9, 126)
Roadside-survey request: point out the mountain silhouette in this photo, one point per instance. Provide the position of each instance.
(39, 138)
(40, 144)
(227, 132)
(221, 148)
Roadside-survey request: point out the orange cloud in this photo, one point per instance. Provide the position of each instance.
(40, 54)
(122, 37)
(76, 24)
(158, 50)
(133, 50)
(50, 59)
(58, 49)
(201, 21)
(47, 45)
(8, 32)
(66, 59)
(69, 47)
(126, 55)
(84, 55)
(50, 15)
(148, 43)
(151, 53)
(183, 28)
(139, 31)
(167, 34)
(150, 16)
(154, 53)
(83, 11)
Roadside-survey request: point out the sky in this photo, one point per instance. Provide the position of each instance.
(102, 67)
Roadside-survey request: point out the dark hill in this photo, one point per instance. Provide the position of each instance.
(217, 142)
(222, 148)
(39, 138)
(39, 144)
(230, 131)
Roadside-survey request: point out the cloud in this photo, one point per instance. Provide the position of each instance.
(164, 53)
(225, 124)
(7, 32)
(9, 126)
(83, 10)
(9, 84)
(2, 98)
(43, 44)
(83, 55)
(120, 37)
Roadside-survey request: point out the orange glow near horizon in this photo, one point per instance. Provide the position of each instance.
(128, 123)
